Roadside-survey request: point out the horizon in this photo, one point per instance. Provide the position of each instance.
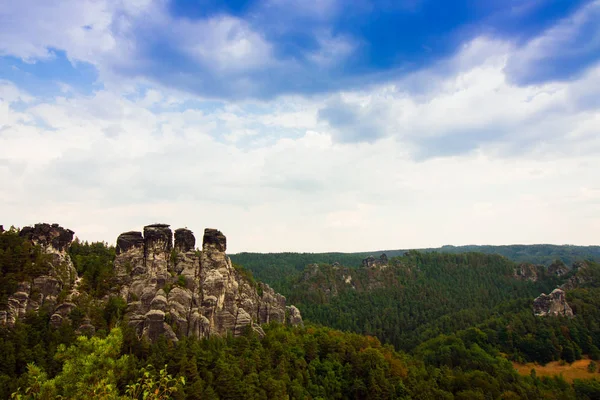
(302, 125)
(198, 238)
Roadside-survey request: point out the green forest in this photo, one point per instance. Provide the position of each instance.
(273, 268)
(427, 325)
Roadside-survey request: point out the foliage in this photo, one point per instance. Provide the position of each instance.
(277, 269)
(20, 260)
(154, 386)
(429, 326)
(91, 369)
(93, 262)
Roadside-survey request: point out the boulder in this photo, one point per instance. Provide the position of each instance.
(214, 240)
(128, 240)
(184, 240)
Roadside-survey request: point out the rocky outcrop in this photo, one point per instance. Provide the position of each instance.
(49, 236)
(553, 304)
(293, 316)
(581, 276)
(127, 240)
(372, 262)
(528, 272)
(171, 288)
(184, 240)
(177, 291)
(43, 291)
(214, 240)
(557, 268)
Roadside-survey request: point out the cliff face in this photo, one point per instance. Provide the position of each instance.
(177, 291)
(44, 291)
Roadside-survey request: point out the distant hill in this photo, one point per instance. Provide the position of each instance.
(273, 268)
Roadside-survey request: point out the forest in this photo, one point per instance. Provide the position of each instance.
(427, 325)
(275, 267)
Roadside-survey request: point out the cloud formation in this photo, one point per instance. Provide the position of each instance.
(269, 48)
(291, 131)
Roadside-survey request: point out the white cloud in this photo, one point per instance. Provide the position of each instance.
(224, 43)
(499, 163)
(31, 29)
(556, 53)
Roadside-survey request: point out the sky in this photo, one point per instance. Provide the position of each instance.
(304, 125)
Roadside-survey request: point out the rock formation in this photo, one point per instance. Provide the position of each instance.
(177, 291)
(372, 262)
(184, 240)
(553, 304)
(557, 268)
(43, 291)
(171, 288)
(529, 272)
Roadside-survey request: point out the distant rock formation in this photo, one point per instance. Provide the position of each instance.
(553, 304)
(372, 262)
(43, 291)
(558, 268)
(529, 272)
(177, 291)
(580, 276)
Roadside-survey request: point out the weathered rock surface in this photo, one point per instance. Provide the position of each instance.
(214, 240)
(43, 291)
(553, 304)
(294, 318)
(127, 240)
(48, 235)
(190, 293)
(184, 240)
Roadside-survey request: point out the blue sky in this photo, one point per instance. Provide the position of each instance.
(301, 116)
(289, 46)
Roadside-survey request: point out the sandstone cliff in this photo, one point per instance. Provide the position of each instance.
(170, 288)
(174, 290)
(44, 291)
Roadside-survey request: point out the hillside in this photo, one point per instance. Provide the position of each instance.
(275, 268)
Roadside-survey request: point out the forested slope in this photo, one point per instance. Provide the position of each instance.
(276, 268)
(450, 323)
